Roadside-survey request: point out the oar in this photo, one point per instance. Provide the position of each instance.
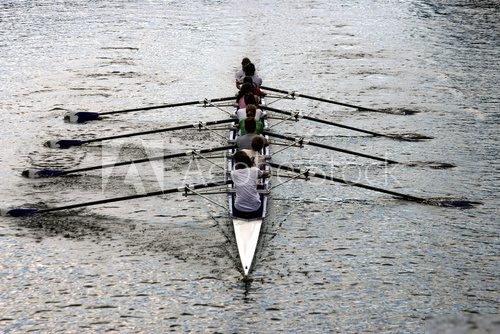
(67, 143)
(302, 141)
(438, 202)
(85, 116)
(293, 94)
(413, 137)
(31, 173)
(20, 212)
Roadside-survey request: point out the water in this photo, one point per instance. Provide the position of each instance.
(333, 258)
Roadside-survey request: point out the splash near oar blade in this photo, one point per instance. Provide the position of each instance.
(435, 165)
(410, 136)
(453, 203)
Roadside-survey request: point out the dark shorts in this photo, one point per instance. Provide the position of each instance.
(247, 215)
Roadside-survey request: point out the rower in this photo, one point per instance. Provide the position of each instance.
(245, 96)
(251, 112)
(252, 109)
(241, 74)
(256, 89)
(247, 202)
(255, 153)
(245, 142)
(249, 70)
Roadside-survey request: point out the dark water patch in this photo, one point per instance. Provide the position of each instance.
(70, 305)
(55, 158)
(80, 182)
(120, 48)
(114, 74)
(95, 307)
(106, 95)
(72, 224)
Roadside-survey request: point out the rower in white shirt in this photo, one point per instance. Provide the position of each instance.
(245, 177)
(240, 75)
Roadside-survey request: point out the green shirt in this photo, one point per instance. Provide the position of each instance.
(258, 129)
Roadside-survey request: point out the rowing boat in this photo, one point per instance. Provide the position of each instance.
(246, 231)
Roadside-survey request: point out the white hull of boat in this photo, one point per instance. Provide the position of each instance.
(247, 233)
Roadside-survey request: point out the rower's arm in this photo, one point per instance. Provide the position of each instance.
(265, 175)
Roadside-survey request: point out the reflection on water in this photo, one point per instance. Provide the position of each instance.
(332, 258)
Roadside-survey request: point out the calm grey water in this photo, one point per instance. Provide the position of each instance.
(333, 258)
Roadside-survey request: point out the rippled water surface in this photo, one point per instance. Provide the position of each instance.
(332, 258)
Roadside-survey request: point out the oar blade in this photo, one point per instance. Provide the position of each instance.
(453, 203)
(81, 117)
(63, 143)
(409, 136)
(34, 174)
(19, 212)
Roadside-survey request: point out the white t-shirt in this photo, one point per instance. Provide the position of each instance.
(242, 114)
(245, 183)
(239, 76)
(257, 80)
